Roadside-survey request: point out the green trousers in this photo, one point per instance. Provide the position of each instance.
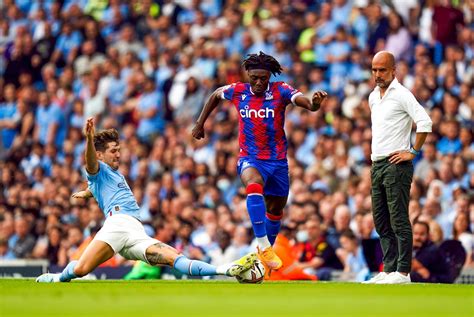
(390, 196)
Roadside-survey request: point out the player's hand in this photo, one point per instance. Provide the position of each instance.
(318, 98)
(400, 156)
(89, 129)
(198, 131)
(83, 194)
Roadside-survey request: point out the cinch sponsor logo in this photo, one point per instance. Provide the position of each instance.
(254, 113)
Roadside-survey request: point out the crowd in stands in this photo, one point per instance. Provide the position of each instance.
(146, 68)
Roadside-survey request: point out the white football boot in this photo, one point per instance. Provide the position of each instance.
(48, 278)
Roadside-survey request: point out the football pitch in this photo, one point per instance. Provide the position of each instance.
(213, 298)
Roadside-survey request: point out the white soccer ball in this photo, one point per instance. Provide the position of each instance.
(254, 275)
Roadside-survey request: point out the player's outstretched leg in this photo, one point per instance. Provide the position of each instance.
(199, 268)
(163, 254)
(96, 253)
(65, 276)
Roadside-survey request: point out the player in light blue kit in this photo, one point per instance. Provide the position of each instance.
(122, 232)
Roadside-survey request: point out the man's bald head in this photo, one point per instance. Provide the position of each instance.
(383, 69)
(385, 57)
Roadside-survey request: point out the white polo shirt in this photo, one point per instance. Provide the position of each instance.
(392, 118)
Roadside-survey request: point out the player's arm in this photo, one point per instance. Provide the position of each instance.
(84, 194)
(92, 164)
(211, 104)
(312, 105)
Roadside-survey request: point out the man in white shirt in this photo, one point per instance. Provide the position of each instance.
(393, 110)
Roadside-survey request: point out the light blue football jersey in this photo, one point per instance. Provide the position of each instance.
(112, 193)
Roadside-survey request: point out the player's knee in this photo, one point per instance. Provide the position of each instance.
(274, 215)
(254, 188)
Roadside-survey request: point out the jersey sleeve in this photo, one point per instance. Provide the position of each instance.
(288, 93)
(227, 92)
(94, 177)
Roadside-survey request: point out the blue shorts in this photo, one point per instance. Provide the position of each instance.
(274, 172)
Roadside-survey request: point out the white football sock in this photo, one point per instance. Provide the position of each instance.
(263, 243)
(222, 269)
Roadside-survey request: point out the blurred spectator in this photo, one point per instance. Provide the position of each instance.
(337, 55)
(317, 256)
(50, 247)
(428, 264)
(447, 21)
(352, 256)
(88, 58)
(22, 242)
(8, 109)
(450, 143)
(127, 42)
(461, 232)
(67, 45)
(4, 254)
(288, 254)
(342, 219)
(378, 27)
(241, 240)
(193, 100)
(50, 126)
(150, 111)
(63, 61)
(436, 233)
(225, 252)
(398, 40)
(428, 162)
(325, 31)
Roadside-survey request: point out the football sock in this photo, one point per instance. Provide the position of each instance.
(68, 273)
(272, 225)
(194, 267)
(256, 210)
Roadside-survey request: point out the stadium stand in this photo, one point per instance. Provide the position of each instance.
(64, 61)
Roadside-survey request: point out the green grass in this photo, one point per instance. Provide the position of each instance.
(208, 298)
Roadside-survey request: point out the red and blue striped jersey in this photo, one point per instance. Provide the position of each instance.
(262, 118)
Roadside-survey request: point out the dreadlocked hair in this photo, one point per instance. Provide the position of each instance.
(262, 61)
(102, 139)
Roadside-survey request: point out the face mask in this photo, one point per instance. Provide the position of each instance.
(223, 184)
(343, 173)
(209, 202)
(302, 236)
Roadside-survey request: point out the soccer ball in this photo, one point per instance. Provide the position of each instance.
(254, 275)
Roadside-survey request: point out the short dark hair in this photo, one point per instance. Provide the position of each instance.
(262, 61)
(423, 223)
(349, 234)
(102, 138)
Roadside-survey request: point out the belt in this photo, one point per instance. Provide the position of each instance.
(385, 160)
(381, 160)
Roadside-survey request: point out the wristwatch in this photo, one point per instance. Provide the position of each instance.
(413, 151)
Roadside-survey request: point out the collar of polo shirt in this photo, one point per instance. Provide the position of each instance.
(391, 86)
